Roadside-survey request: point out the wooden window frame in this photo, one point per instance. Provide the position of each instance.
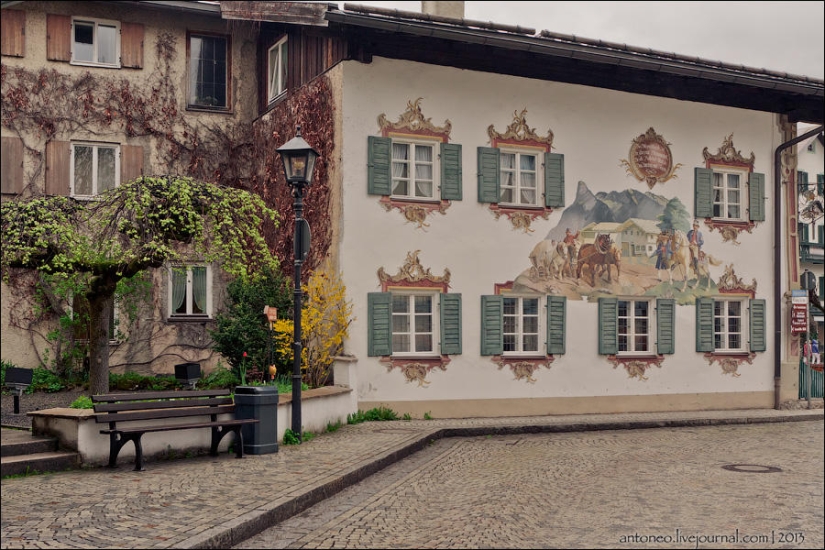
(282, 64)
(227, 108)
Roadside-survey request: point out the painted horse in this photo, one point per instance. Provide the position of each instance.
(601, 254)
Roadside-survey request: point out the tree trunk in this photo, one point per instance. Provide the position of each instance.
(100, 306)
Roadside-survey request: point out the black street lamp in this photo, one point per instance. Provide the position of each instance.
(299, 164)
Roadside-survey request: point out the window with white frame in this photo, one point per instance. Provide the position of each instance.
(414, 324)
(729, 330)
(729, 193)
(95, 42)
(277, 66)
(521, 325)
(190, 291)
(95, 168)
(413, 169)
(519, 178)
(634, 326)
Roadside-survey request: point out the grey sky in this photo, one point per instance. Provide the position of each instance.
(780, 36)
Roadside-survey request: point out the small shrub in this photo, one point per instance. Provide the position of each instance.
(427, 416)
(219, 378)
(308, 436)
(291, 438)
(82, 402)
(45, 380)
(334, 427)
(372, 415)
(407, 417)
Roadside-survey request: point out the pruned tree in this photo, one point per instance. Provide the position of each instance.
(139, 225)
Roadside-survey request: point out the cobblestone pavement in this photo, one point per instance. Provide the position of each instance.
(620, 489)
(664, 482)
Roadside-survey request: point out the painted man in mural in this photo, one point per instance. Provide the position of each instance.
(662, 253)
(571, 243)
(695, 242)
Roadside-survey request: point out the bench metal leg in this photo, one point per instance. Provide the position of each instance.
(218, 432)
(116, 443)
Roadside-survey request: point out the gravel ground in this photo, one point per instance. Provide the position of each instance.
(36, 401)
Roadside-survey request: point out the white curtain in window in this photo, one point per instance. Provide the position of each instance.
(199, 289)
(105, 169)
(178, 289)
(423, 171)
(82, 170)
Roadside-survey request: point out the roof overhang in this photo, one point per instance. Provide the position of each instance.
(614, 66)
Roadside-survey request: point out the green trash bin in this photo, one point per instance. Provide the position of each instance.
(260, 403)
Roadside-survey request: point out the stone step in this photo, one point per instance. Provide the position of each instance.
(22, 442)
(56, 461)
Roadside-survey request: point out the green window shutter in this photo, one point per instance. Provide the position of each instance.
(451, 176)
(450, 324)
(665, 325)
(822, 235)
(379, 330)
(704, 324)
(757, 325)
(489, 172)
(703, 192)
(820, 184)
(553, 180)
(822, 288)
(608, 326)
(756, 188)
(801, 180)
(492, 335)
(379, 181)
(556, 317)
(803, 232)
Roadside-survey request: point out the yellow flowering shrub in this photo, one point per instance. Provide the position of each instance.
(325, 321)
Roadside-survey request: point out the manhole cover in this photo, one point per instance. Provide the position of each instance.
(751, 468)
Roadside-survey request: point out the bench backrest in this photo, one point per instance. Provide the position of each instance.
(122, 407)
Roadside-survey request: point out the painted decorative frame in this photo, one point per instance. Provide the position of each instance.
(519, 134)
(412, 123)
(728, 156)
(650, 159)
(412, 275)
(730, 284)
(522, 368)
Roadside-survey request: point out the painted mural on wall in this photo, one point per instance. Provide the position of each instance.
(628, 243)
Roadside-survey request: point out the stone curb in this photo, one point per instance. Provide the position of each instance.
(239, 529)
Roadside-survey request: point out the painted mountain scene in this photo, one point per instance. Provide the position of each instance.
(627, 243)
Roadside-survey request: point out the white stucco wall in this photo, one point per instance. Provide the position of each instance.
(594, 129)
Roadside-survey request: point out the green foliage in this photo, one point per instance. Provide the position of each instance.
(325, 321)
(82, 402)
(220, 377)
(138, 225)
(242, 327)
(427, 416)
(372, 415)
(334, 426)
(3, 366)
(132, 381)
(45, 380)
(291, 438)
(407, 417)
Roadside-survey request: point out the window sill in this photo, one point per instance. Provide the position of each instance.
(415, 210)
(522, 366)
(92, 64)
(205, 109)
(729, 228)
(189, 318)
(416, 369)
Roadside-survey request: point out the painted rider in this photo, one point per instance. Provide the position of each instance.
(695, 242)
(570, 243)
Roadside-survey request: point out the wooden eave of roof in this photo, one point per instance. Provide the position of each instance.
(562, 58)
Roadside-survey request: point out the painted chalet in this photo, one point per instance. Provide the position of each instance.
(526, 222)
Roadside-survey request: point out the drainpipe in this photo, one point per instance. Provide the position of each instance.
(777, 257)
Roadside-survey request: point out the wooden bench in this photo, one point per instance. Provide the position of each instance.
(128, 407)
